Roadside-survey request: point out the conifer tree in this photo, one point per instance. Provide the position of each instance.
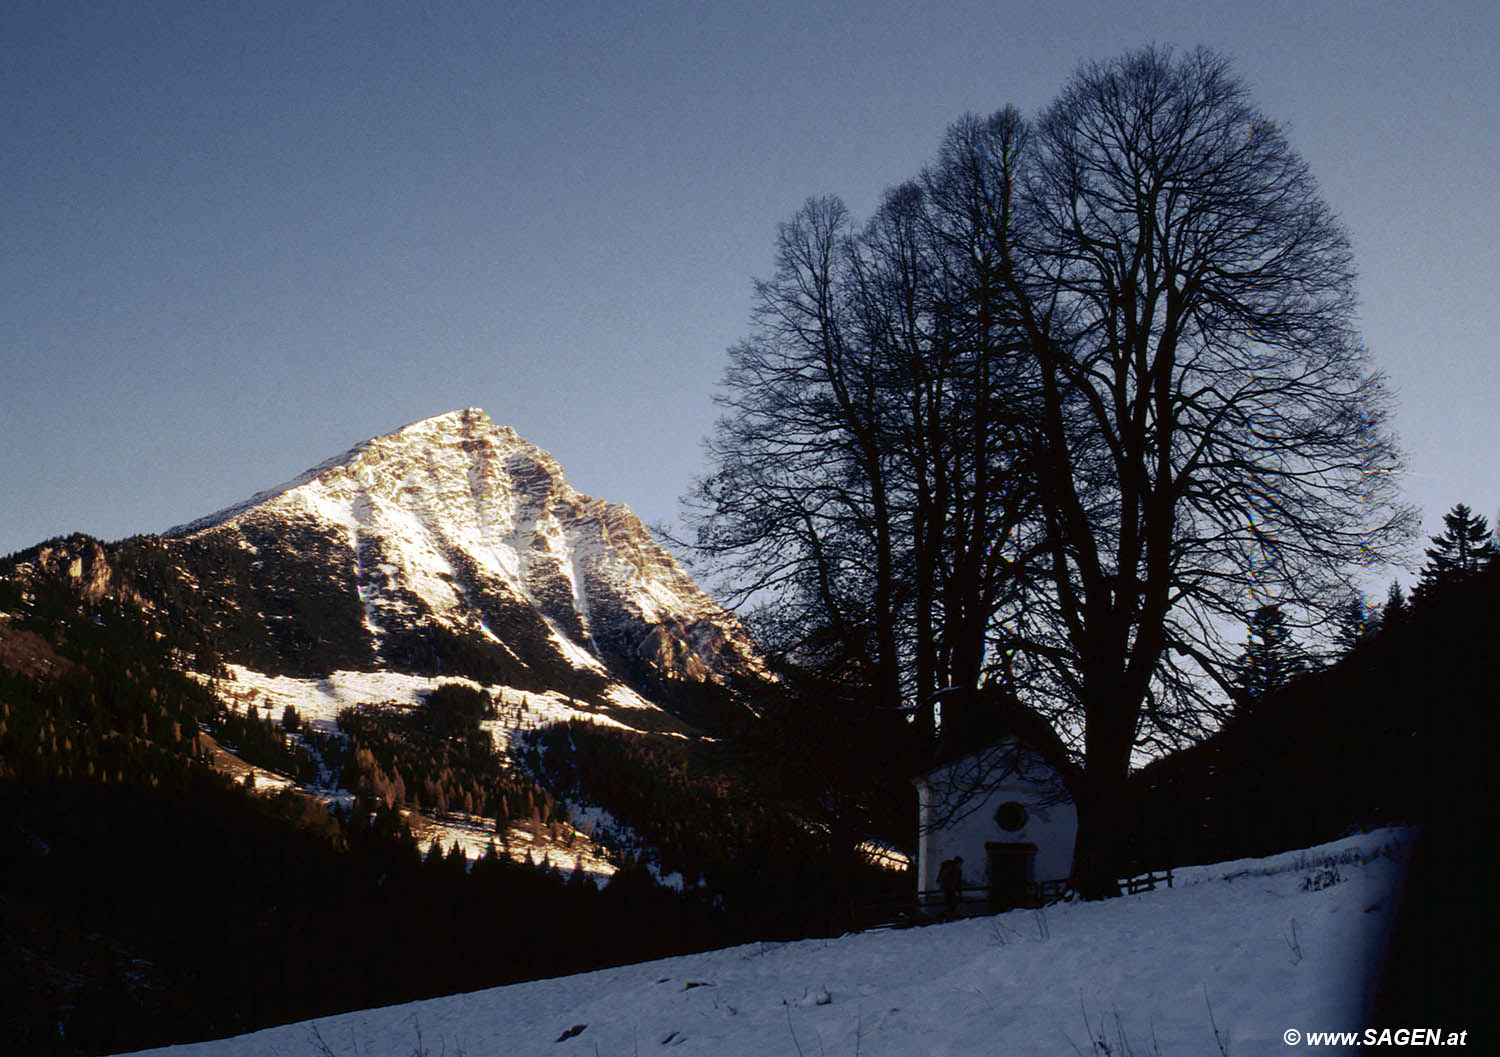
(1394, 611)
(1464, 548)
(1271, 658)
(1356, 623)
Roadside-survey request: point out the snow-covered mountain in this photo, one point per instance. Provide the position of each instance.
(450, 551)
(454, 546)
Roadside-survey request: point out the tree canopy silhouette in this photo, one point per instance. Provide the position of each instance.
(1084, 393)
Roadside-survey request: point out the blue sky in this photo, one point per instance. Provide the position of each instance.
(239, 238)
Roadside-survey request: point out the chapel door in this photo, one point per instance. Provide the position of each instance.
(1010, 868)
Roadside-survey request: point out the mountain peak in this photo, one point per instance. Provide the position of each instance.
(468, 421)
(450, 542)
(450, 440)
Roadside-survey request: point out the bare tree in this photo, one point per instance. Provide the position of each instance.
(1072, 404)
(981, 493)
(1211, 431)
(798, 508)
(860, 470)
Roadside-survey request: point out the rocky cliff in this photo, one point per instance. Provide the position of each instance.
(454, 546)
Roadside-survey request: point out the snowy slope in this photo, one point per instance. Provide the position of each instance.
(1249, 949)
(319, 701)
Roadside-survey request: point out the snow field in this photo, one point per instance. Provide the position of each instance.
(1255, 954)
(319, 701)
(474, 834)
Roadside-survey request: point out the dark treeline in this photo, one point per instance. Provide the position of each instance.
(256, 738)
(175, 914)
(1397, 730)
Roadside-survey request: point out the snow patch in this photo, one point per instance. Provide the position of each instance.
(319, 701)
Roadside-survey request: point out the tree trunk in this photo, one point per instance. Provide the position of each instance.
(842, 839)
(1096, 855)
(1104, 815)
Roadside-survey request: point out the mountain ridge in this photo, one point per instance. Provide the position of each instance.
(453, 526)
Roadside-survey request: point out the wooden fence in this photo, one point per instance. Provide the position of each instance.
(901, 911)
(1146, 882)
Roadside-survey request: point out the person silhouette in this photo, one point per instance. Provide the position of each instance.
(950, 879)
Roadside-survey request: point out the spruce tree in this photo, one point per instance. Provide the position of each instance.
(1464, 548)
(1271, 658)
(1394, 611)
(1356, 622)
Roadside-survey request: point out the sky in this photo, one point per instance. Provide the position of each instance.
(240, 237)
